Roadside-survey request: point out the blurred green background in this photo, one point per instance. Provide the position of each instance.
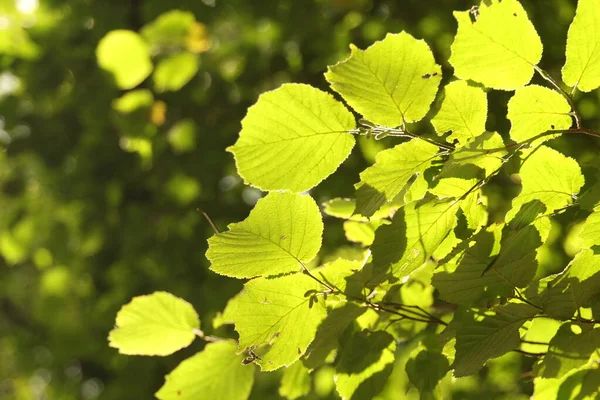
(106, 153)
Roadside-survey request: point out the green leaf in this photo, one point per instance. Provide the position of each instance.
(426, 370)
(570, 348)
(173, 72)
(365, 363)
(388, 90)
(415, 233)
(582, 385)
(282, 231)
(534, 110)
(216, 372)
(473, 205)
(293, 138)
(573, 288)
(590, 234)
(484, 152)
(549, 177)
(154, 325)
(295, 382)
(582, 69)
(361, 232)
(392, 171)
(182, 136)
(278, 314)
(499, 49)
(169, 30)
(344, 208)
(484, 335)
(463, 112)
(126, 55)
(328, 333)
(490, 267)
(133, 100)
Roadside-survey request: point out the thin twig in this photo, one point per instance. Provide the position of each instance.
(208, 338)
(307, 272)
(209, 220)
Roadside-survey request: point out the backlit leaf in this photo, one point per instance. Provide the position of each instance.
(216, 372)
(499, 49)
(534, 110)
(293, 138)
(582, 69)
(278, 316)
(392, 82)
(126, 56)
(282, 232)
(154, 325)
(463, 112)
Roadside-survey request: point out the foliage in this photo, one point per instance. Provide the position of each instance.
(100, 186)
(437, 231)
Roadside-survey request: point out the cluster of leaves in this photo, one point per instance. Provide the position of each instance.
(434, 274)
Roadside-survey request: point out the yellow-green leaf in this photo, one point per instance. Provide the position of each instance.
(463, 112)
(154, 325)
(125, 54)
(282, 231)
(392, 82)
(499, 49)
(293, 138)
(536, 109)
(582, 69)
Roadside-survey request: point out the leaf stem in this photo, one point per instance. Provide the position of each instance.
(208, 338)
(544, 74)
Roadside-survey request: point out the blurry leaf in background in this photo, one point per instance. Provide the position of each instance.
(131, 101)
(182, 136)
(169, 30)
(173, 72)
(154, 325)
(126, 56)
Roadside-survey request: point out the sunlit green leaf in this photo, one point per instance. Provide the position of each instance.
(590, 234)
(278, 316)
(216, 372)
(534, 110)
(282, 232)
(392, 171)
(154, 325)
(293, 138)
(499, 49)
(548, 178)
(295, 382)
(463, 112)
(126, 56)
(173, 72)
(582, 69)
(388, 90)
(344, 208)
